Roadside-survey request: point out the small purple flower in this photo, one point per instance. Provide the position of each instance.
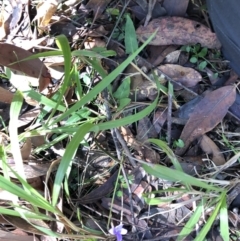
(118, 231)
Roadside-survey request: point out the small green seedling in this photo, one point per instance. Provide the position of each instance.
(198, 55)
(178, 143)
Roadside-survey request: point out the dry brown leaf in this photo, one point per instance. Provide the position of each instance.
(209, 147)
(206, 115)
(159, 53)
(33, 68)
(173, 58)
(38, 141)
(178, 31)
(8, 236)
(5, 96)
(175, 7)
(186, 76)
(32, 169)
(159, 118)
(26, 149)
(27, 117)
(95, 42)
(24, 225)
(98, 6)
(28, 44)
(146, 130)
(45, 11)
(5, 19)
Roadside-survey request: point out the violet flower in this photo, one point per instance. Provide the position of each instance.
(118, 231)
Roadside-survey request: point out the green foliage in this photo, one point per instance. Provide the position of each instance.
(178, 143)
(78, 123)
(131, 43)
(113, 11)
(209, 196)
(198, 55)
(122, 93)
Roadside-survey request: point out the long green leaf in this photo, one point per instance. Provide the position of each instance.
(68, 158)
(177, 176)
(224, 226)
(103, 84)
(189, 226)
(63, 45)
(168, 152)
(202, 234)
(131, 43)
(31, 197)
(43, 100)
(13, 131)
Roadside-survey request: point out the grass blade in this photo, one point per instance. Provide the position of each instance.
(224, 226)
(177, 176)
(103, 84)
(15, 109)
(67, 159)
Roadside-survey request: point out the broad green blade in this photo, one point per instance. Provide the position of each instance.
(131, 43)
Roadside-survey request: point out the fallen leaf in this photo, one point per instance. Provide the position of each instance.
(235, 108)
(173, 57)
(10, 56)
(28, 44)
(206, 115)
(32, 169)
(209, 147)
(98, 6)
(24, 225)
(145, 130)
(187, 109)
(38, 140)
(28, 117)
(159, 118)
(94, 43)
(45, 11)
(8, 236)
(16, 13)
(184, 75)
(140, 10)
(175, 7)
(159, 53)
(101, 191)
(6, 96)
(178, 31)
(5, 19)
(26, 149)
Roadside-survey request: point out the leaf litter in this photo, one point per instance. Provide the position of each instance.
(198, 117)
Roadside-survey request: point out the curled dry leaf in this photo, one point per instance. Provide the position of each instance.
(11, 12)
(209, 147)
(186, 76)
(206, 115)
(45, 11)
(34, 68)
(178, 31)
